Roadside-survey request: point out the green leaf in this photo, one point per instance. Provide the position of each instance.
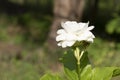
(110, 27)
(102, 73)
(105, 73)
(71, 75)
(116, 72)
(99, 73)
(86, 73)
(113, 26)
(50, 77)
(84, 60)
(69, 61)
(70, 64)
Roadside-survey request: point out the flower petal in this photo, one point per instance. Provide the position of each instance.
(61, 31)
(64, 45)
(90, 28)
(81, 25)
(70, 43)
(60, 37)
(72, 32)
(85, 36)
(70, 37)
(70, 26)
(59, 44)
(90, 40)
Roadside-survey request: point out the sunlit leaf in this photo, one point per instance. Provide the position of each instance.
(99, 73)
(104, 73)
(50, 77)
(86, 73)
(71, 74)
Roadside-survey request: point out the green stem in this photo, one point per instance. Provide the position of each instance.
(78, 54)
(78, 70)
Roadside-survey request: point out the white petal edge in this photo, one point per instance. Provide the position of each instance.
(60, 37)
(70, 43)
(61, 31)
(90, 28)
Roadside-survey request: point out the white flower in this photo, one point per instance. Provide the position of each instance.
(72, 32)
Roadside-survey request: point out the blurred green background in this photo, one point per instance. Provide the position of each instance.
(24, 28)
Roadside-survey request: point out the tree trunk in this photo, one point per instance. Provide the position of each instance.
(64, 10)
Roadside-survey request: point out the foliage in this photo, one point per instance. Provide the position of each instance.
(50, 77)
(86, 73)
(17, 70)
(113, 26)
